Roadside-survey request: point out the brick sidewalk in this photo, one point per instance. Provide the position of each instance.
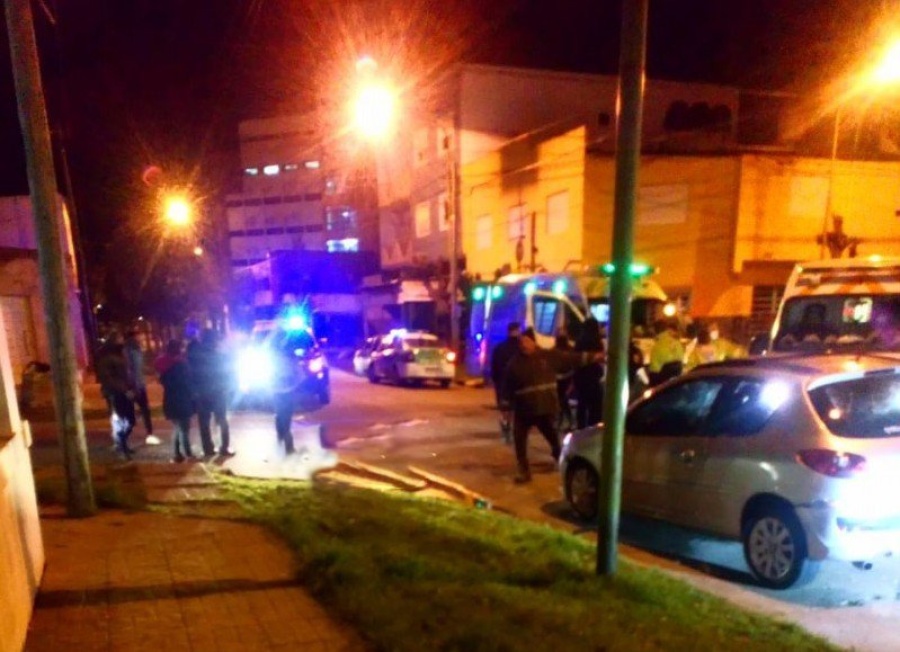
(150, 581)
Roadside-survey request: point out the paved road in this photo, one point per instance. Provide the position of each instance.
(453, 432)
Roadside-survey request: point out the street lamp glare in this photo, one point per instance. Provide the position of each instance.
(198, 251)
(888, 69)
(374, 111)
(177, 211)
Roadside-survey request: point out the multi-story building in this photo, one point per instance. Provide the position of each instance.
(479, 109)
(299, 193)
(723, 229)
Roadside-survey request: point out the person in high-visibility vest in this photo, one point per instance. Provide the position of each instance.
(725, 348)
(667, 354)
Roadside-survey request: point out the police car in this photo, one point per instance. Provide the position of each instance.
(412, 357)
(256, 361)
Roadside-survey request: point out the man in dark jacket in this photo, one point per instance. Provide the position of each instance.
(529, 390)
(112, 374)
(500, 357)
(285, 382)
(210, 372)
(178, 397)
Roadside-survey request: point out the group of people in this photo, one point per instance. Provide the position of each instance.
(195, 381)
(670, 357)
(533, 385)
(527, 380)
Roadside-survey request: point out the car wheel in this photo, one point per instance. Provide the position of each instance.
(324, 396)
(775, 547)
(581, 489)
(371, 374)
(445, 384)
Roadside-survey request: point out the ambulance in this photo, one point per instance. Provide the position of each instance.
(839, 303)
(555, 302)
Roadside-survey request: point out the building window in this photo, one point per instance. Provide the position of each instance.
(340, 218)
(271, 170)
(558, 213)
(484, 231)
(291, 167)
(420, 146)
(516, 223)
(251, 172)
(443, 212)
(423, 219)
(345, 244)
(311, 165)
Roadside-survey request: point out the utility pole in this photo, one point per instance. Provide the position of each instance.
(453, 215)
(47, 222)
(628, 157)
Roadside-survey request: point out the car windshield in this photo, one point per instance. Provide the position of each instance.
(835, 320)
(867, 407)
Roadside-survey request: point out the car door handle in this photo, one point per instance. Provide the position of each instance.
(687, 456)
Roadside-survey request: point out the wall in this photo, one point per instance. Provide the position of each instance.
(21, 544)
(524, 173)
(783, 204)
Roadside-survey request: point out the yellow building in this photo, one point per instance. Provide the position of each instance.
(723, 230)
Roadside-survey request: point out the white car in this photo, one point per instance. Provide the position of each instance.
(798, 457)
(412, 357)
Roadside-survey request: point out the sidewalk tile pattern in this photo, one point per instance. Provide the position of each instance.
(145, 581)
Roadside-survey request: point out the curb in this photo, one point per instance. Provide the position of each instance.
(477, 500)
(377, 473)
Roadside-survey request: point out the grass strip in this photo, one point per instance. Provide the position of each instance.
(418, 574)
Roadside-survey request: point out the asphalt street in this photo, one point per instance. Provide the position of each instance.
(454, 433)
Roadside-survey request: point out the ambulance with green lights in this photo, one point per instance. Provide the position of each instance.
(552, 303)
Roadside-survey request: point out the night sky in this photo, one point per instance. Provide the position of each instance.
(139, 82)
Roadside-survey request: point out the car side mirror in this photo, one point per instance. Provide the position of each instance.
(759, 344)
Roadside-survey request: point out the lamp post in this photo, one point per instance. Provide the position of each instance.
(883, 75)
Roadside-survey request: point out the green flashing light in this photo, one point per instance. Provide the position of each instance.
(496, 292)
(530, 287)
(559, 286)
(636, 270)
(479, 293)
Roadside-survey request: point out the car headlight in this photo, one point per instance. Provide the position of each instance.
(567, 440)
(255, 369)
(317, 365)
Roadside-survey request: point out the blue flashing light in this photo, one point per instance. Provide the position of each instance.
(559, 286)
(496, 292)
(478, 337)
(479, 293)
(530, 288)
(295, 323)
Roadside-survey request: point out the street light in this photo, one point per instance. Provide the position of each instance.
(177, 210)
(885, 73)
(374, 106)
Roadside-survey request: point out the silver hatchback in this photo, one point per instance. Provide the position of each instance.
(798, 457)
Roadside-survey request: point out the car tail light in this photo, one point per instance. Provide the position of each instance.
(834, 464)
(316, 365)
(450, 356)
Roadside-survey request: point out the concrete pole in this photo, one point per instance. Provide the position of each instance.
(628, 155)
(47, 222)
(453, 210)
(829, 198)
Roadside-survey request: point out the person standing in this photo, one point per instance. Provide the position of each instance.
(285, 382)
(565, 421)
(178, 398)
(667, 354)
(210, 373)
(588, 380)
(500, 358)
(112, 374)
(529, 391)
(134, 357)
